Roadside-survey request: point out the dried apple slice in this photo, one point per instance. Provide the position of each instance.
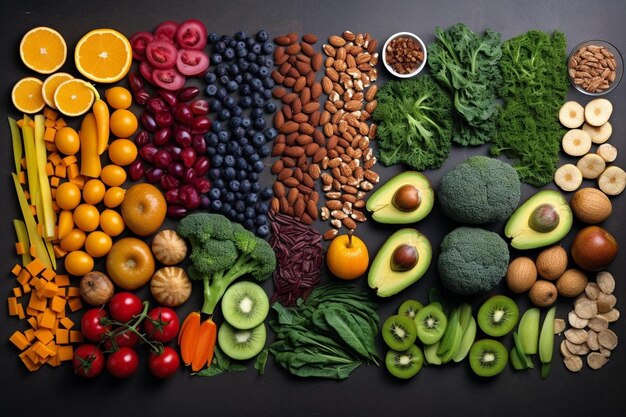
(612, 181)
(598, 111)
(599, 134)
(576, 142)
(591, 165)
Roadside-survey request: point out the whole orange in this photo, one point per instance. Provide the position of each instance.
(143, 209)
(347, 257)
(130, 263)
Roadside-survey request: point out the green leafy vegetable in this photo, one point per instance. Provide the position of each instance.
(415, 123)
(535, 86)
(466, 64)
(261, 361)
(220, 364)
(328, 336)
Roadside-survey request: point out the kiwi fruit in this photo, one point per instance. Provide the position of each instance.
(245, 305)
(431, 324)
(409, 308)
(406, 364)
(497, 316)
(399, 332)
(241, 344)
(488, 357)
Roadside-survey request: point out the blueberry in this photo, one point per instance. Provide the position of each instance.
(258, 166)
(216, 205)
(262, 36)
(223, 136)
(240, 45)
(267, 62)
(261, 219)
(234, 185)
(211, 139)
(246, 122)
(210, 90)
(250, 57)
(267, 193)
(224, 114)
(240, 218)
(210, 151)
(264, 151)
(234, 122)
(256, 113)
(240, 206)
(232, 213)
(257, 84)
(229, 53)
(254, 68)
(241, 163)
(221, 69)
(249, 41)
(256, 187)
(258, 139)
(248, 223)
(232, 86)
(209, 78)
(229, 102)
(217, 160)
(229, 161)
(248, 150)
(243, 141)
(245, 185)
(264, 71)
(259, 102)
(229, 197)
(267, 93)
(262, 208)
(250, 213)
(263, 231)
(226, 207)
(214, 173)
(221, 93)
(221, 149)
(241, 35)
(242, 174)
(238, 78)
(270, 133)
(232, 43)
(215, 193)
(246, 91)
(271, 107)
(257, 48)
(219, 184)
(259, 123)
(239, 132)
(251, 199)
(215, 106)
(268, 48)
(242, 53)
(268, 82)
(238, 195)
(216, 126)
(213, 37)
(220, 47)
(247, 77)
(245, 101)
(228, 173)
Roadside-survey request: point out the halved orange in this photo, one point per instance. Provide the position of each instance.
(103, 55)
(50, 85)
(43, 50)
(74, 97)
(26, 95)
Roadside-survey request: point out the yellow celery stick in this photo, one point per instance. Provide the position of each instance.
(49, 218)
(18, 148)
(22, 237)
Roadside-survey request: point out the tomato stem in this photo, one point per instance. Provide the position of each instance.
(122, 328)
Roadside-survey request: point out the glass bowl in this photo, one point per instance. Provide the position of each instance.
(576, 80)
(407, 35)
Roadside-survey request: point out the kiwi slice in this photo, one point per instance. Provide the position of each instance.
(409, 308)
(399, 332)
(488, 357)
(497, 316)
(241, 344)
(431, 324)
(245, 305)
(404, 364)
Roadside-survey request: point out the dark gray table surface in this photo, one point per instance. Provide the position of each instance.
(370, 391)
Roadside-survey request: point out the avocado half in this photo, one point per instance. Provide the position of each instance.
(523, 236)
(381, 206)
(388, 282)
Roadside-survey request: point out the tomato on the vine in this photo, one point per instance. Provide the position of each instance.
(91, 324)
(165, 364)
(162, 324)
(126, 339)
(124, 305)
(88, 361)
(123, 363)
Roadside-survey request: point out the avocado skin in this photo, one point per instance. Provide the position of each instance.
(523, 237)
(380, 202)
(388, 282)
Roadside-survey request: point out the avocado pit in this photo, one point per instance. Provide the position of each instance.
(544, 218)
(406, 198)
(404, 258)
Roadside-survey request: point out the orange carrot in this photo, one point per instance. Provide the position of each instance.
(190, 337)
(182, 326)
(203, 354)
(101, 112)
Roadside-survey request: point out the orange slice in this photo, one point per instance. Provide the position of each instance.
(103, 55)
(43, 50)
(51, 84)
(74, 97)
(26, 95)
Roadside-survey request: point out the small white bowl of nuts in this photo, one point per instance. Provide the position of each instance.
(595, 67)
(404, 54)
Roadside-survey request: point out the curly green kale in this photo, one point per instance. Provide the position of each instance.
(415, 123)
(466, 64)
(535, 86)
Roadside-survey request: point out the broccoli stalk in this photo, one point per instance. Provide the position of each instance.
(221, 253)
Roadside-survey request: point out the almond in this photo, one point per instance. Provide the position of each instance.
(319, 155)
(327, 85)
(278, 149)
(282, 40)
(291, 182)
(310, 107)
(279, 189)
(294, 151)
(293, 49)
(309, 38)
(336, 41)
(307, 49)
(314, 171)
(311, 209)
(277, 166)
(349, 223)
(332, 74)
(329, 50)
(299, 207)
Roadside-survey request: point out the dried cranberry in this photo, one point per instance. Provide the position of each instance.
(135, 82)
(189, 197)
(182, 137)
(176, 169)
(142, 139)
(154, 175)
(156, 105)
(202, 185)
(200, 125)
(173, 150)
(168, 182)
(141, 96)
(199, 143)
(169, 97)
(172, 197)
(188, 156)
(162, 159)
(147, 152)
(162, 136)
(189, 176)
(183, 113)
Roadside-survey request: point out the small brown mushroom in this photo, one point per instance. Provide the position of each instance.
(595, 360)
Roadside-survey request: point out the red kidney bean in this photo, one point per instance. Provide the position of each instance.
(183, 114)
(182, 137)
(162, 159)
(136, 82)
(176, 211)
(174, 151)
(200, 107)
(202, 165)
(148, 122)
(162, 136)
(188, 156)
(164, 119)
(189, 176)
(199, 143)
(147, 152)
(168, 96)
(188, 93)
(142, 139)
(202, 184)
(136, 170)
(154, 175)
(176, 169)
(200, 125)
(141, 97)
(168, 182)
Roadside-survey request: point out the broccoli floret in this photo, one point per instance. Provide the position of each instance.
(480, 190)
(221, 252)
(472, 260)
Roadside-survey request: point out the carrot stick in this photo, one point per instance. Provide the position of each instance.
(205, 345)
(182, 327)
(190, 337)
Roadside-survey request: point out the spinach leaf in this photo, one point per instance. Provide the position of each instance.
(261, 361)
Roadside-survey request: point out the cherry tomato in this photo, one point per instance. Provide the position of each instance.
(123, 122)
(123, 363)
(98, 244)
(166, 30)
(67, 141)
(191, 62)
(119, 97)
(113, 175)
(86, 217)
(112, 198)
(68, 196)
(88, 361)
(161, 54)
(93, 191)
(164, 365)
(78, 263)
(122, 152)
(111, 222)
(191, 34)
(127, 339)
(124, 305)
(169, 79)
(161, 324)
(91, 324)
